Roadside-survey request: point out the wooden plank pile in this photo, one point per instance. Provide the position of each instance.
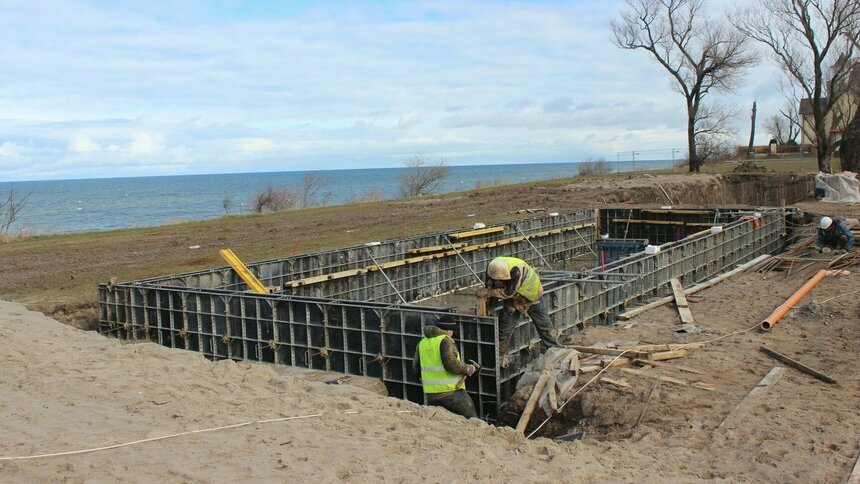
(802, 262)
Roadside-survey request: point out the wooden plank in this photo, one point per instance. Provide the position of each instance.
(533, 399)
(681, 302)
(679, 210)
(669, 355)
(761, 387)
(589, 368)
(611, 351)
(475, 233)
(657, 364)
(617, 362)
(854, 478)
(574, 363)
(553, 399)
(662, 222)
(703, 385)
(797, 365)
(618, 383)
(664, 347)
(693, 289)
(435, 248)
(662, 378)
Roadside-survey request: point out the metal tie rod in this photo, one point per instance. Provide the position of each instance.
(370, 253)
(480, 281)
(532, 245)
(578, 234)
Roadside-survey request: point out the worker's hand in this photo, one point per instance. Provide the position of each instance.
(826, 250)
(482, 292)
(818, 249)
(470, 370)
(839, 251)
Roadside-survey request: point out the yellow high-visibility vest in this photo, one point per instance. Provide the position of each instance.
(529, 282)
(434, 377)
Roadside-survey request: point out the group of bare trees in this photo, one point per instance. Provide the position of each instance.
(814, 42)
(420, 177)
(310, 191)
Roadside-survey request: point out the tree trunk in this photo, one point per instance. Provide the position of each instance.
(823, 153)
(850, 151)
(752, 133)
(691, 140)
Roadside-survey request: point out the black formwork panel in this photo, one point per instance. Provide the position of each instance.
(555, 237)
(660, 226)
(368, 339)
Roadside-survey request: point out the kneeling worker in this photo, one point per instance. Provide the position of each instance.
(833, 235)
(443, 375)
(517, 284)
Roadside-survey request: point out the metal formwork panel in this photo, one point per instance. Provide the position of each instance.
(373, 340)
(378, 339)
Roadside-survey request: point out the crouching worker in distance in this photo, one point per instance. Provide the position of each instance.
(518, 286)
(834, 236)
(442, 374)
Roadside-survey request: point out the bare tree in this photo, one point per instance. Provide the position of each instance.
(778, 128)
(273, 199)
(593, 166)
(12, 207)
(812, 41)
(311, 191)
(421, 177)
(700, 54)
(228, 204)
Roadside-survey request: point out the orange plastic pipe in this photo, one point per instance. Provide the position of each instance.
(779, 312)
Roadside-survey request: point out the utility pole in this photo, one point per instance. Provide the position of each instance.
(752, 132)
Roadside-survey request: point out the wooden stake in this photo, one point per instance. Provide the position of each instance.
(574, 363)
(681, 302)
(532, 403)
(797, 365)
(669, 355)
(553, 399)
(664, 365)
(647, 401)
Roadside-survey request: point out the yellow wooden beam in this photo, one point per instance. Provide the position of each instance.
(473, 233)
(425, 257)
(662, 222)
(435, 248)
(679, 210)
(243, 272)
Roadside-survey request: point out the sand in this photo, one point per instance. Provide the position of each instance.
(65, 389)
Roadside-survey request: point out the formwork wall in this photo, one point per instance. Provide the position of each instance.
(378, 339)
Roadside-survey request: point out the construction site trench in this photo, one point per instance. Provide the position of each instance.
(360, 310)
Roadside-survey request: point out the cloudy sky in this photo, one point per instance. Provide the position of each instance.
(128, 88)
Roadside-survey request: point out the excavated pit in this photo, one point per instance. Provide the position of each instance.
(360, 310)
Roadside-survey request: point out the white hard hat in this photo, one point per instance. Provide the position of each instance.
(826, 222)
(498, 270)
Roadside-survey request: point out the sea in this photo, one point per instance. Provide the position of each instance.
(65, 206)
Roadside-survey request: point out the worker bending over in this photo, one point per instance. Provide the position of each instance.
(833, 235)
(442, 374)
(518, 286)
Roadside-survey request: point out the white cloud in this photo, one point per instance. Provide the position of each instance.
(83, 143)
(10, 150)
(144, 144)
(255, 145)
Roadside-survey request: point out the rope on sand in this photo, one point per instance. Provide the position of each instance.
(171, 436)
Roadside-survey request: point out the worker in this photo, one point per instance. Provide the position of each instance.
(442, 374)
(518, 286)
(833, 235)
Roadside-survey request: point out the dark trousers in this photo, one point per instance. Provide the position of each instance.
(539, 316)
(836, 242)
(458, 402)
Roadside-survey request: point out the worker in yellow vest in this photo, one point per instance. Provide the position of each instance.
(443, 375)
(518, 286)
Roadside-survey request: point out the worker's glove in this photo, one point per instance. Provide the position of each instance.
(826, 250)
(818, 249)
(482, 292)
(839, 251)
(470, 370)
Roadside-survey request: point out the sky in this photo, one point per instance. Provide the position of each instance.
(94, 89)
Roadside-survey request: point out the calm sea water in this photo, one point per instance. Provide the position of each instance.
(61, 206)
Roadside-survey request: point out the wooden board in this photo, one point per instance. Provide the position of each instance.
(618, 383)
(681, 302)
(772, 377)
(797, 365)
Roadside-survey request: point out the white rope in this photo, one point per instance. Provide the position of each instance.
(171, 436)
